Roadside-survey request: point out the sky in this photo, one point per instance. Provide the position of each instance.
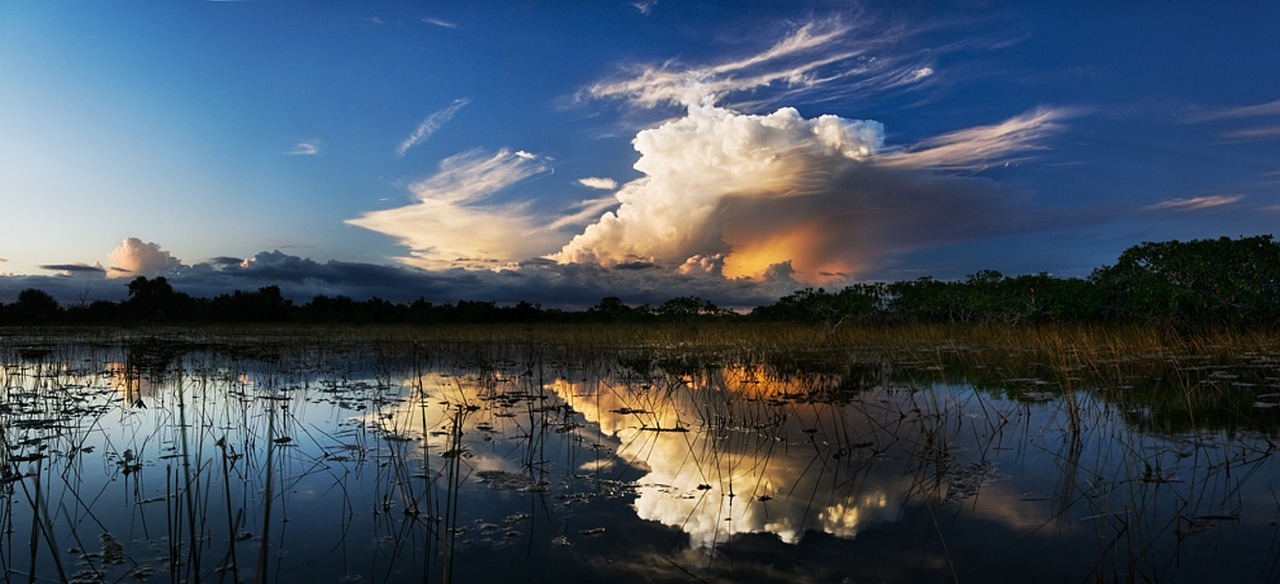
(563, 152)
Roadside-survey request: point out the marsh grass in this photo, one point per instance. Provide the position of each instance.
(1151, 436)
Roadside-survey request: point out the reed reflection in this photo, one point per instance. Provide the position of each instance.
(739, 449)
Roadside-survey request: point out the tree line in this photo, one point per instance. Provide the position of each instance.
(1198, 283)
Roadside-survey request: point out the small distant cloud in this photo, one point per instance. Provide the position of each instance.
(305, 148)
(1256, 133)
(645, 6)
(134, 257)
(440, 23)
(430, 125)
(923, 72)
(604, 184)
(1270, 108)
(1247, 115)
(1196, 203)
(69, 269)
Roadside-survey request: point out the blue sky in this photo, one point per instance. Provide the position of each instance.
(560, 152)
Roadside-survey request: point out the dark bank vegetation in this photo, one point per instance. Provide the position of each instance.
(1210, 283)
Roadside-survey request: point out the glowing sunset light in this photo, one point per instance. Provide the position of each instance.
(733, 152)
(801, 247)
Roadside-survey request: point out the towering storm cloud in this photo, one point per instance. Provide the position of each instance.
(821, 198)
(727, 192)
(756, 192)
(705, 172)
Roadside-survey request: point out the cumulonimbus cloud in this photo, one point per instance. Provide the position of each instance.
(819, 194)
(743, 195)
(133, 257)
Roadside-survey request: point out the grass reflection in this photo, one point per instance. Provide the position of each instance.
(389, 458)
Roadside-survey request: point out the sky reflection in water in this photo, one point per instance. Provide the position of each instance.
(286, 465)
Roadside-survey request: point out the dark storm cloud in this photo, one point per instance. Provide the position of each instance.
(539, 281)
(73, 268)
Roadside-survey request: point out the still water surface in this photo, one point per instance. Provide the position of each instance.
(162, 460)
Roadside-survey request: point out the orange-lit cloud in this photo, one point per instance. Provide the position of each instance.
(739, 194)
(801, 245)
(822, 194)
(698, 164)
(821, 198)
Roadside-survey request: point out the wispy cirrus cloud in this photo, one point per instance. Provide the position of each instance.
(826, 53)
(1257, 128)
(1271, 108)
(1254, 133)
(430, 125)
(440, 22)
(584, 212)
(1196, 203)
(305, 148)
(976, 148)
(450, 222)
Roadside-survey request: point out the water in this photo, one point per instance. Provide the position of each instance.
(162, 461)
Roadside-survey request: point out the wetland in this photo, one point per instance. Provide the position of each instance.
(662, 453)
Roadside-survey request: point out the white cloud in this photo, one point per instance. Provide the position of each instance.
(645, 6)
(604, 184)
(1261, 130)
(450, 223)
(734, 195)
(135, 258)
(821, 198)
(1255, 133)
(1271, 108)
(305, 148)
(976, 148)
(430, 125)
(584, 212)
(1196, 203)
(440, 23)
(832, 53)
